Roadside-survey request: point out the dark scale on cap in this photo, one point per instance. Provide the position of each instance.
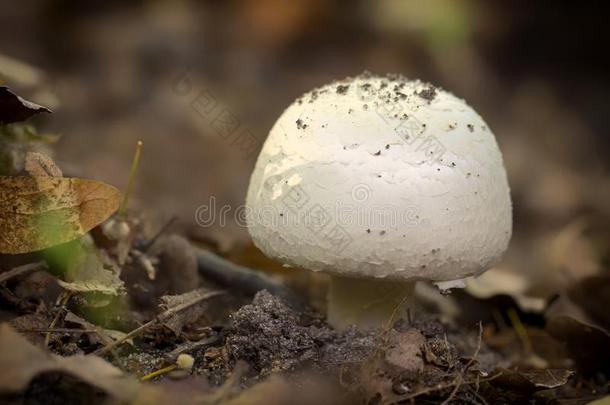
(429, 93)
(377, 91)
(342, 88)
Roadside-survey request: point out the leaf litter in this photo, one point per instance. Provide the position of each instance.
(129, 307)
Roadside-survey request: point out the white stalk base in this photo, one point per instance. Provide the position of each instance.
(368, 303)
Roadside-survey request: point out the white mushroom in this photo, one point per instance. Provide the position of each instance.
(380, 182)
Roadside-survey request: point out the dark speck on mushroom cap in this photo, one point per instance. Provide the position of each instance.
(342, 88)
(375, 89)
(429, 93)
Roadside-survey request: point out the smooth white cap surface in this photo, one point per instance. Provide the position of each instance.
(381, 177)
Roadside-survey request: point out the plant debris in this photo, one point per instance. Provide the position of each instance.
(14, 109)
(40, 212)
(94, 307)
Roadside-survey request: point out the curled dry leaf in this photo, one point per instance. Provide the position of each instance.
(577, 320)
(533, 380)
(84, 268)
(22, 361)
(14, 109)
(40, 212)
(587, 344)
(101, 336)
(178, 321)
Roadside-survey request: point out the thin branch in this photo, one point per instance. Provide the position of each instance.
(63, 301)
(459, 380)
(458, 383)
(158, 319)
(478, 396)
(161, 231)
(242, 280)
(442, 387)
(22, 270)
(56, 330)
(190, 346)
(477, 350)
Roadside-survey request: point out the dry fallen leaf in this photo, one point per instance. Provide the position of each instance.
(533, 380)
(101, 336)
(14, 109)
(177, 322)
(22, 361)
(84, 268)
(602, 401)
(587, 344)
(40, 212)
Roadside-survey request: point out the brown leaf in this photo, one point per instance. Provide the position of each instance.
(177, 322)
(39, 164)
(14, 109)
(101, 336)
(592, 294)
(533, 380)
(548, 378)
(23, 361)
(586, 343)
(40, 212)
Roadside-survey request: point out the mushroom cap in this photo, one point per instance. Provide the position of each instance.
(381, 177)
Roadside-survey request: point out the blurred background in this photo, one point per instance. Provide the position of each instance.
(536, 71)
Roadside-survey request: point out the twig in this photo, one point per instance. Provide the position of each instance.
(458, 383)
(158, 319)
(441, 387)
(477, 350)
(132, 175)
(459, 380)
(21, 270)
(63, 301)
(478, 396)
(520, 330)
(159, 372)
(161, 231)
(55, 330)
(189, 346)
(242, 280)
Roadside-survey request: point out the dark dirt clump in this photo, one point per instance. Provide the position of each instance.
(269, 337)
(272, 337)
(342, 88)
(428, 93)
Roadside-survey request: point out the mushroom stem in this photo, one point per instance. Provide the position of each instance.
(368, 303)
